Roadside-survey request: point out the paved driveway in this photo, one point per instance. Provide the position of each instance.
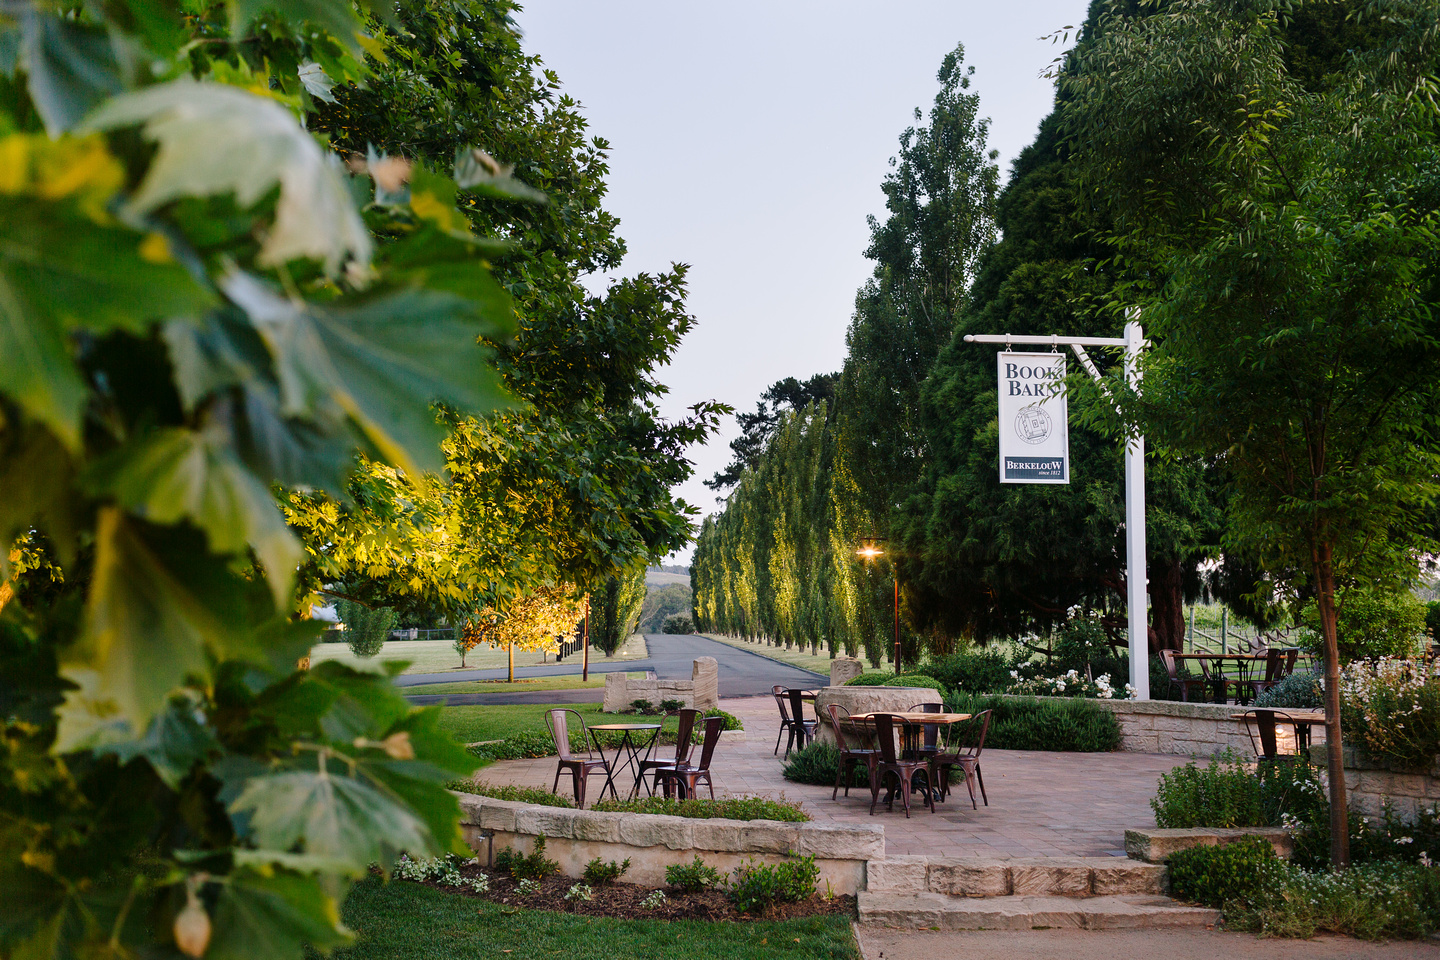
(672, 656)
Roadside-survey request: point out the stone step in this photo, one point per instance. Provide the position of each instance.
(1017, 876)
(940, 912)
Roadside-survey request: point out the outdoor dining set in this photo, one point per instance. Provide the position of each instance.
(631, 762)
(1239, 678)
(911, 751)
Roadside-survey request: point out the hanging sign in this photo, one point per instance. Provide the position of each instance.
(1034, 429)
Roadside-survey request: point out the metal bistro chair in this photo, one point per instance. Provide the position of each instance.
(686, 776)
(1279, 664)
(1185, 684)
(683, 746)
(850, 757)
(928, 744)
(969, 743)
(580, 767)
(1261, 726)
(794, 723)
(902, 770)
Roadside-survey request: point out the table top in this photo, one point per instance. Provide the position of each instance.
(1300, 714)
(625, 726)
(915, 717)
(1220, 656)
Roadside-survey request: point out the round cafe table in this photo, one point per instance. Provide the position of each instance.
(634, 747)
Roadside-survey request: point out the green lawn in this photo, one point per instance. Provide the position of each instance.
(519, 686)
(406, 921)
(439, 656)
(469, 724)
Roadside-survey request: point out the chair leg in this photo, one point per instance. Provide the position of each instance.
(842, 773)
(556, 785)
(981, 777)
(776, 751)
(874, 792)
(579, 778)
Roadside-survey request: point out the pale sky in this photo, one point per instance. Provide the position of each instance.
(749, 140)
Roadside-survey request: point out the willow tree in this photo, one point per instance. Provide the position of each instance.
(1294, 216)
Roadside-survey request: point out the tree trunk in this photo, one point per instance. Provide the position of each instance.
(1325, 601)
(1167, 605)
(510, 648)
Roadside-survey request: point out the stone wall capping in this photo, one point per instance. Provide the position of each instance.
(1156, 845)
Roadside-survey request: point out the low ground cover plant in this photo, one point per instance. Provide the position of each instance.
(1023, 723)
(526, 866)
(758, 885)
(703, 808)
(692, 876)
(598, 872)
(536, 795)
(1233, 792)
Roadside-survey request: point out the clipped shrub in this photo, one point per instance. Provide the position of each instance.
(532, 866)
(912, 680)
(671, 706)
(366, 629)
(870, 680)
(644, 707)
(598, 872)
(697, 808)
(678, 623)
(1023, 723)
(816, 765)
(1228, 793)
(972, 671)
(1235, 873)
(758, 885)
(1370, 623)
(536, 795)
(692, 877)
(732, 722)
(1301, 689)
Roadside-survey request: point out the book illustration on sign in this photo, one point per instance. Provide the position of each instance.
(1033, 424)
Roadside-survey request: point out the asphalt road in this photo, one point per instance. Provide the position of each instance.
(742, 673)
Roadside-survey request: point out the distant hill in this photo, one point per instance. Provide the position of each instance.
(664, 576)
(663, 601)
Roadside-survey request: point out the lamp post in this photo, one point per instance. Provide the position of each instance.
(868, 551)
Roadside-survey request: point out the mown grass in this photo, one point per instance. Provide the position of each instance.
(531, 685)
(499, 722)
(406, 921)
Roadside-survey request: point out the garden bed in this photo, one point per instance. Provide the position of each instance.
(627, 901)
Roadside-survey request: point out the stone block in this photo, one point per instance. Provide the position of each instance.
(677, 833)
(1049, 877)
(841, 842)
(616, 686)
(600, 827)
(546, 821)
(771, 836)
(844, 669)
(705, 683)
(1156, 846)
(726, 836)
(1127, 877)
(499, 815)
(969, 878)
(897, 873)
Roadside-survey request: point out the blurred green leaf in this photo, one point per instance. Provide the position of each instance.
(275, 915)
(383, 360)
(171, 474)
(215, 139)
(60, 272)
(478, 172)
(176, 740)
(70, 67)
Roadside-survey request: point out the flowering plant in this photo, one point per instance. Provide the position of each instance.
(1070, 684)
(1391, 709)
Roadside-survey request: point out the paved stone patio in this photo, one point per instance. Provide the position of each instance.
(1041, 803)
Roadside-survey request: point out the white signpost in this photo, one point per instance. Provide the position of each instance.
(1027, 423)
(1034, 425)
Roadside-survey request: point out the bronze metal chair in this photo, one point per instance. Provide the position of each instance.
(928, 743)
(1185, 684)
(969, 743)
(902, 770)
(687, 776)
(1279, 664)
(850, 757)
(556, 721)
(792, 718)
(1261, 726)
(683, 746)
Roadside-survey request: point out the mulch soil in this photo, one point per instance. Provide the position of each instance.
(622, 900)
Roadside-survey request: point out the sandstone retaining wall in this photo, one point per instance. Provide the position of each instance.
(652, 842)
(1187, 729)
(701, 691)
(1371, 784)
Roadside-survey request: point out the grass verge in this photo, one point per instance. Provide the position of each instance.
(501, 722)
(406, 921)
(795, 656)
(531, 685)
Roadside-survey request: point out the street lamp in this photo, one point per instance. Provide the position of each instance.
(869, 551)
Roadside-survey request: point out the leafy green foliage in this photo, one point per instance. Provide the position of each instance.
(1432, 620)
(971, 671)
(662, 602)
(366, 630)
(1228, 793)
(758, 885)
(700, 808)
(817, 763)
(535, 795)
(1022, 723)
(678, 623)
(1229, 873)
(870, 680)
(692, 876)
(1370, 623)
(615, 609)
(598, 873)
(527, 866)
(1301, 689)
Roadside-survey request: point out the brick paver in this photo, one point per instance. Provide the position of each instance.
(1041, 803)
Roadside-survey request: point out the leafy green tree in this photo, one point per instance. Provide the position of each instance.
(757, 429)
(678, 623)
(615, 609)
(1372, 623)
(661, 602)
(1292, 215)
(195, 312)
(366, 629)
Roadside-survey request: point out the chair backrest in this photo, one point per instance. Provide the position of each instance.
(972, 737)
(557, 723)
(797, 704)
(682, 736)
(1291, 655)
(1274, 664)
(841, 738)
(932, 731)
(1168, 658)
(1260, 725)
(713, 727)
(778, 692)
(885, 735)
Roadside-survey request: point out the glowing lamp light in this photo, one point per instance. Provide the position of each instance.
(869, 552)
